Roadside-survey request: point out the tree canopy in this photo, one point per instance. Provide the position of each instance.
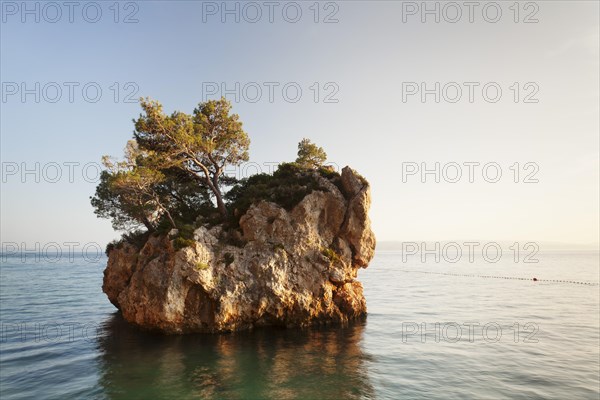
(135, 193)
(172, 172)
(201, 144)
(310, 155)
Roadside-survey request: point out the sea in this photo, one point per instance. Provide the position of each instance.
(437, 328)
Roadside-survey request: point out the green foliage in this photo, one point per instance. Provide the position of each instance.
(328, 172)
(288, 185)
(201, 266)
(310, 155)
(186, 231)
(185, 237)
(135, 193)
(173, 170)
(361, 178)
(110, 246)
(136, 238)
(333, 176)
(109, 203)
(172, 167)
(202, 144)
(179, 243)
(331, 255)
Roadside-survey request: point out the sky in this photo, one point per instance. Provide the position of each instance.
(501, 101)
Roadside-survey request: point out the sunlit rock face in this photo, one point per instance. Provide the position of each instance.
(295, 268)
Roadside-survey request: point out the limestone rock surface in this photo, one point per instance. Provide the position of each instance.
(295, 268)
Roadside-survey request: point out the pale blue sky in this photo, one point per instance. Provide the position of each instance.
(368, 54)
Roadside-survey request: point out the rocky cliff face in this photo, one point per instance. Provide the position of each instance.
(296, 268)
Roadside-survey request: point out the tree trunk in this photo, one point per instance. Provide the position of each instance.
(213, 184)
(147, 224)
(169, 217)
(214, 187)
(221, 204)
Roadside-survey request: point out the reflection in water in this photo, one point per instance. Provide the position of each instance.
(316, 363)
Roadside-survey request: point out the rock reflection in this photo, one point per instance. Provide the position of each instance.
(317, 363)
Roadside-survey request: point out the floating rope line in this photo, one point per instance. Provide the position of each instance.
(503, 277)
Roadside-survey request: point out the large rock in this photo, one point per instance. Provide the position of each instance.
(296, 268)
(357, 226)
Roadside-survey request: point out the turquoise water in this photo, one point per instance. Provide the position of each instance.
(427, 335)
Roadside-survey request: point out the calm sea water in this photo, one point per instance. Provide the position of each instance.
(464, 331)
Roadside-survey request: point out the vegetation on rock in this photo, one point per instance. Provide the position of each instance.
(172, 175)
(310, 155)
(331, 255)
(287, 186)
